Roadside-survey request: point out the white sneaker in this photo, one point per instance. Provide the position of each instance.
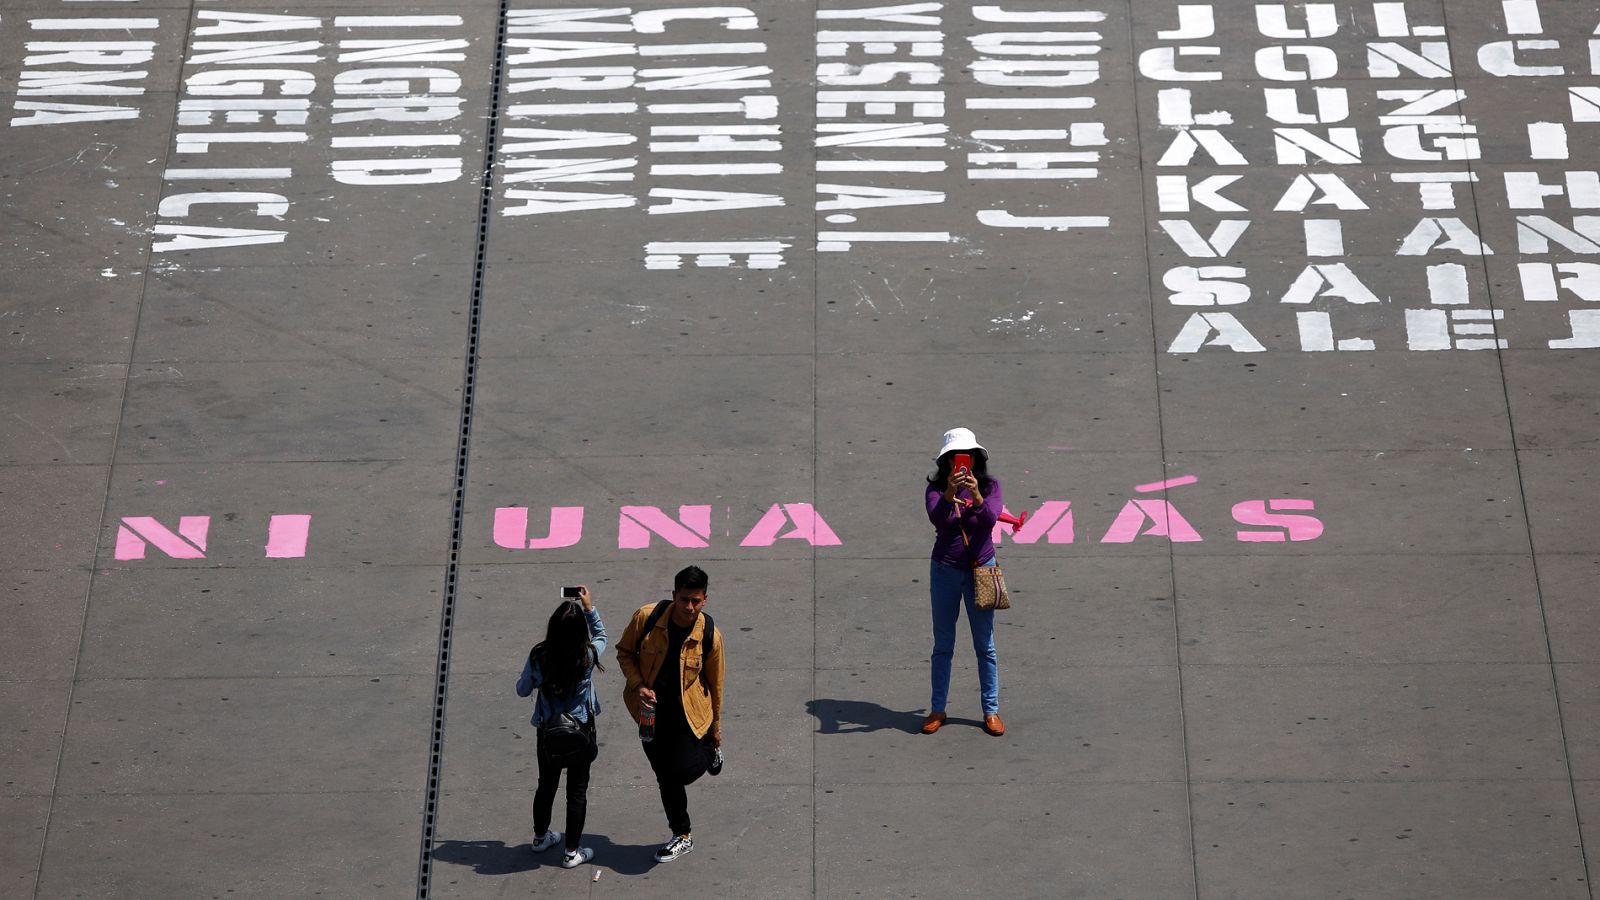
(675, 848)
(550, 839)
(576, 858)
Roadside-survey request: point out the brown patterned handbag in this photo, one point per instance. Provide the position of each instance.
(989, 588)
(988, 584)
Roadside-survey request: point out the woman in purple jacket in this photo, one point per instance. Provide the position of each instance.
(963, 506)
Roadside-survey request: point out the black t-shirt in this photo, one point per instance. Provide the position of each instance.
(668, 688)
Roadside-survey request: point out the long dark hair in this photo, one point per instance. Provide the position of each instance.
(980, 469)
(567, 652)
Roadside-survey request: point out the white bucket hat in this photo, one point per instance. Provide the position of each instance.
(960, 439)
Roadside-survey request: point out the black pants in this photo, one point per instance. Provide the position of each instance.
(678, 759)
(544, 798)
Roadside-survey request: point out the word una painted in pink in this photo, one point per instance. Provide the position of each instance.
(638, 526)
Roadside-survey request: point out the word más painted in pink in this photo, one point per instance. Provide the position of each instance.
(1152, 517)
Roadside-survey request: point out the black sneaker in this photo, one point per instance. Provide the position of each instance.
(675, 848)
(716, 762)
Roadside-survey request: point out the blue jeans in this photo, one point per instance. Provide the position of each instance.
(949, 587)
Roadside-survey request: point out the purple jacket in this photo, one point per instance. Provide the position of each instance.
(950, 548)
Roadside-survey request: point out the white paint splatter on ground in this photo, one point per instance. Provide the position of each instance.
(641, 314)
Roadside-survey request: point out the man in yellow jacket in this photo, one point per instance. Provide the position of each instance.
(669, 664)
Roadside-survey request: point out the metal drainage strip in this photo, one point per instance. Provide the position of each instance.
(463, 446)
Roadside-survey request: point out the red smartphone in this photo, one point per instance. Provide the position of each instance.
(961, 462)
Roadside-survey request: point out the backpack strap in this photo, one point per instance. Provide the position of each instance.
(707, 640)
(649, 625)
(706, 636)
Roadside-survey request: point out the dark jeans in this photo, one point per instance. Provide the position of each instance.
(544, 798)
(678, 759)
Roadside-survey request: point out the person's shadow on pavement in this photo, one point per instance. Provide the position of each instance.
(499, 858)
(623, 859)
(852, 716)
(492, 857)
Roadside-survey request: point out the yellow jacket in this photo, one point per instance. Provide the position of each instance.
(700, 669)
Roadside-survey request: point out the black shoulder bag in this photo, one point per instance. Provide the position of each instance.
(564, 738)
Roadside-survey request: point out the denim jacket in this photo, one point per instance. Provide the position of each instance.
(582, 702)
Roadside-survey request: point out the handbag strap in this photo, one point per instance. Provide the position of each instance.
(964, 539)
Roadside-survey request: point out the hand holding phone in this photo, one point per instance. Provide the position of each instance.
(961, 464)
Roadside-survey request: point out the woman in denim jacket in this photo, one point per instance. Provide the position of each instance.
(561, 668)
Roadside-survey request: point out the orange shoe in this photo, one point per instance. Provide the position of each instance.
(933, 723)
(993, 725)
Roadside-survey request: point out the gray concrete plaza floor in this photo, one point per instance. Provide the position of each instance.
(339, 334)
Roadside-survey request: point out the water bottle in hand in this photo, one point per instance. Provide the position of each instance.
(647, 720)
